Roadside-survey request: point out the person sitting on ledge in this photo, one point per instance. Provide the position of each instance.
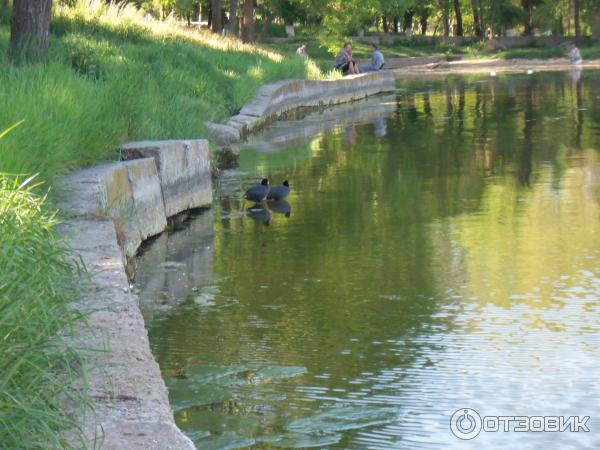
(344, 61)
(377, 61)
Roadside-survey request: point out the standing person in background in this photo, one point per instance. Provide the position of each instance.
(301, 51)
(575, 55)
(377, 61)
(344, 61)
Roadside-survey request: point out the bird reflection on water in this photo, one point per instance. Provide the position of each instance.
(281, 207)
(259, 214)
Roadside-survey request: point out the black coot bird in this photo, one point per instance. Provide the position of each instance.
(279, 193)
(259, 192)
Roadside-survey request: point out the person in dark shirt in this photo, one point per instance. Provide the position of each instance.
(344, 61)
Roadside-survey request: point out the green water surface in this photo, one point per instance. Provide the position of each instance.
(441, 250)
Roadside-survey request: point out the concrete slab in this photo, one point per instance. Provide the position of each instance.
(184, 170)
(147, 197)
(105, 190)
(129, 398)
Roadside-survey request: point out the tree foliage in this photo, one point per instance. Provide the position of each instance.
(338, 19)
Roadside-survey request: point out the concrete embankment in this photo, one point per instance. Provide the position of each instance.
(114, 208)
(274, 101)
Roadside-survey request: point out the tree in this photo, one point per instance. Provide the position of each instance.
(595, 18)
(444, 5)
(423, 10)
(528, 8)
(216, 16)
(248, 25)
(232, 25)
(477, 28)
(459, 21)
(576, 14)
(29, 31)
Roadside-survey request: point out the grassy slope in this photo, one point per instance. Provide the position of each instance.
(113, 77)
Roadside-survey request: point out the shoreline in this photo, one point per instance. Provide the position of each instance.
(119, 205)
(481, 66)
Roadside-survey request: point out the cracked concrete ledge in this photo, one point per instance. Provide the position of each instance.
(113, 208)
(274, 100)
(297, 133)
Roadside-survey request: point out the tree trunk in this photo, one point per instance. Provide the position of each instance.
(529, 24)
(492, 19)
(408, 21)
(248, 26)
(446, 18)
(576, 8)
(423, 22)
(266, 25)
(476, 20)
(216, 14)
(209, 19)
(196, 12)
(29, 31)
(385, 24)
(596, 27)
(232, 25)
(396, 24)
(459, 22)
(481, 19)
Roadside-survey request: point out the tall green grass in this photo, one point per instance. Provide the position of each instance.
(114, 76)
(37, 284)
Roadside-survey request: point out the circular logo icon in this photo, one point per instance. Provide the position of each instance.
(465, 424)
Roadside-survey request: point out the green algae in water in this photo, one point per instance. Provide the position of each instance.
(279, 372)
(227, 441)
(298, 440)
(443, 251)
(344, 418)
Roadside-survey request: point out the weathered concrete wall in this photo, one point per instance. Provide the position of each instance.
(125, 387)
(105, 190)
(114, 207)
(282, 135)
(275, 99)
(183, 168)
(147, 197)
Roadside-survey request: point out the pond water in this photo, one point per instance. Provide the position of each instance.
(440, 250)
